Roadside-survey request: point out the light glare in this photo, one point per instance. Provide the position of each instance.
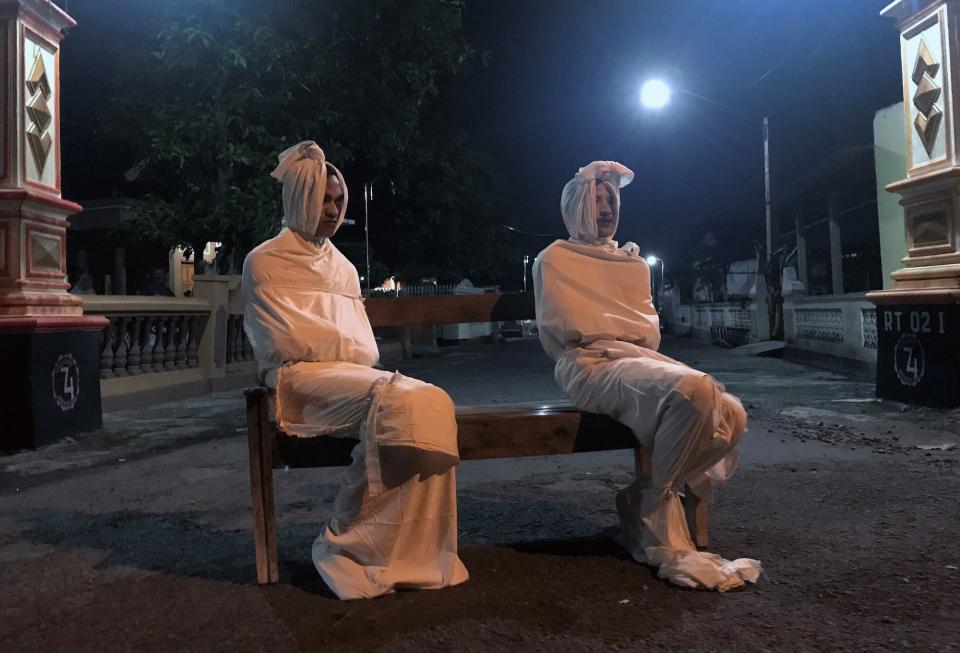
(652, 260)
(655, 94)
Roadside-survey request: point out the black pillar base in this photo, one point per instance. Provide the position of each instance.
(918, 354)
(49, 380)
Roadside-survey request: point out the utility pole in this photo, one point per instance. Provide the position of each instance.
(766, 187)
(366, 231)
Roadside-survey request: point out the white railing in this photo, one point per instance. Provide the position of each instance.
(238, 347)
(719, 322)
(426, 290)
(843, 326)
(148, 335)
(152, 343)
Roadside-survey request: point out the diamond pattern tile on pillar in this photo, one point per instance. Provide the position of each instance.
(39, 146)
(927, 94)
(39, 113)
(929, 116)
(927, 127)
(925, 64)
(44, 251)
(37, 79)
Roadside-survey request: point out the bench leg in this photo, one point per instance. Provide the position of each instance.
(260, 445)
(698, 519)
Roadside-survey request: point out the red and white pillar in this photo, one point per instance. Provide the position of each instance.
(49, 383)
(918, 319)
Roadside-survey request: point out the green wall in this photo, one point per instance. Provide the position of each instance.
(890, 160)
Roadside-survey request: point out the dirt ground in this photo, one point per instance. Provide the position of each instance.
(138, 538)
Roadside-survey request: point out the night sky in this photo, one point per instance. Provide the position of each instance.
(562, 89)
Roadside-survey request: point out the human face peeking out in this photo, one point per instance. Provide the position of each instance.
(332, 204)
(606, 210)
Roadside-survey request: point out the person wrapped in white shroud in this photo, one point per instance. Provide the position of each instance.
(596, 319)
(393, 524)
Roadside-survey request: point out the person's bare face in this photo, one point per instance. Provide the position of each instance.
(606, 211)
(332, 203)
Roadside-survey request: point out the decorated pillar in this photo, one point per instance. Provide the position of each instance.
(49, 385)
(918, 318)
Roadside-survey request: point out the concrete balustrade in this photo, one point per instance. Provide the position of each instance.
(836, 329)
(730, 323)
(162, 348)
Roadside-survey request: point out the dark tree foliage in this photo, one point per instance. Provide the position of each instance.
(227, 84)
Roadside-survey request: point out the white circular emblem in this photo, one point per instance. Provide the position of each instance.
(909, 361)
(66, 382)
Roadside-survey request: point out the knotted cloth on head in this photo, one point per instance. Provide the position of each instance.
(578, 203)
(303, 171)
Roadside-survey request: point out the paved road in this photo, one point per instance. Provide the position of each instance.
(137, 537)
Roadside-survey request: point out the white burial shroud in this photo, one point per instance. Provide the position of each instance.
(304, 304)
(597, 321)
(305, 318)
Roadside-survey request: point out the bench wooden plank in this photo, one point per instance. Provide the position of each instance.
(483, 432)
(508, 432)
(450, 309)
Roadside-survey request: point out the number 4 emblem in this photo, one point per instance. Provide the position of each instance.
(909, 360)
(66, 382)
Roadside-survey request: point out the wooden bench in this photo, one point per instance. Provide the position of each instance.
(484, 432)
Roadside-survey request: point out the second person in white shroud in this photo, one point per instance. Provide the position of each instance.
(597, 321)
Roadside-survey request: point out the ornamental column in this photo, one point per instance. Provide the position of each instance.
(49, 380)
(918, 319)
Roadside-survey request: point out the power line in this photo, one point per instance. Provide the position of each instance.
(530, 233)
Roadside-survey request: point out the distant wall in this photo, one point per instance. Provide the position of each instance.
(890, 160)
(841, 329)
(731, 323)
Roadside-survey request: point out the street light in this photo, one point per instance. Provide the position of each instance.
(655, 94)
(651, 261)
(367, 198)
(526, 261)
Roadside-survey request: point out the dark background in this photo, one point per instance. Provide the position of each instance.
(561, 89)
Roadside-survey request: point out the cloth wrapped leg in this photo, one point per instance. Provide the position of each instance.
(393, 524)
(693, 429)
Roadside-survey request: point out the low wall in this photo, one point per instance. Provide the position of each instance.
(162, 348)
(720, 322)
(839, 329)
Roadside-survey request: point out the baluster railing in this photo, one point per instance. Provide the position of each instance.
(120, 353)
(106, 354)
(231, 340)
(181, 351)
(146, 336)
(169, 342)
(238, 354)
(146, 344)
(149, 342)
(192, 357)
(156, 352)
(134, 355)
(247, 347)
